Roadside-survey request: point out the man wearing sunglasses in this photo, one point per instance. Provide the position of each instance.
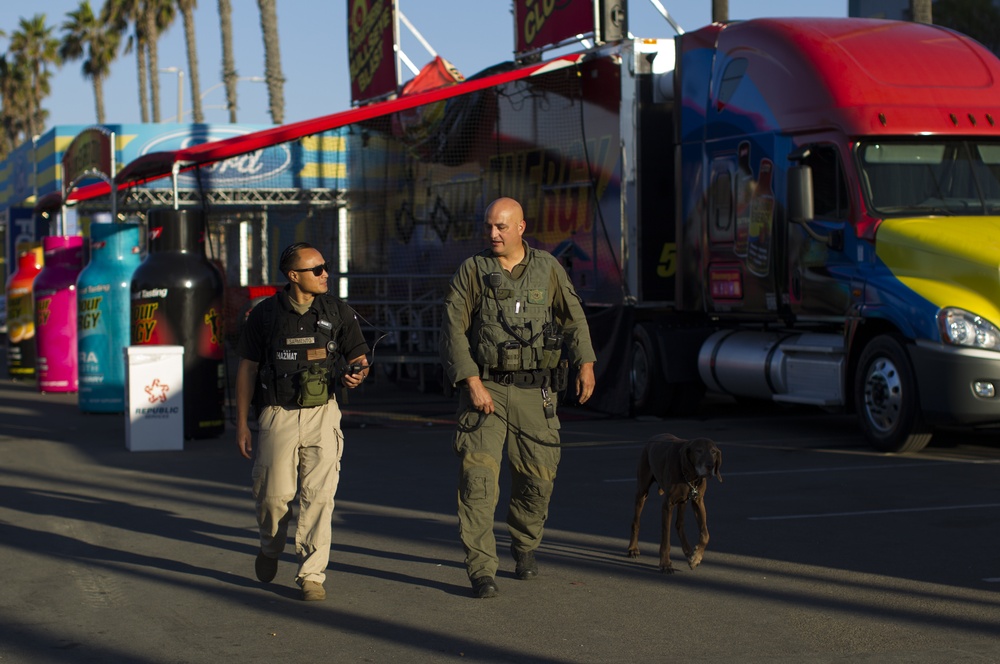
(292, 350)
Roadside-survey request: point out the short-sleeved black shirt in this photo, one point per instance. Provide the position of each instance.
(253, 343)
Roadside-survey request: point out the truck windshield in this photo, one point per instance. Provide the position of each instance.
(907, 178)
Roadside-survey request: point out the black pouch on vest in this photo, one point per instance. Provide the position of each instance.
(552, 346)
(560, 376)
(263, 392)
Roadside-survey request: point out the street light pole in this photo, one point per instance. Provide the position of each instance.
(216, 86)
(180, 89)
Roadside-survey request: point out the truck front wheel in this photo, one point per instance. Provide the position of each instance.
(885, 394)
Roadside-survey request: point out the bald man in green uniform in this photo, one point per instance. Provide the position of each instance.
(509, 311)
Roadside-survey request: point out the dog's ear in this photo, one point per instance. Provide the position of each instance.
(687, 464)
(717, 453)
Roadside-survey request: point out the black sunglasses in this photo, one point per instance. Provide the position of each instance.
(317, 270)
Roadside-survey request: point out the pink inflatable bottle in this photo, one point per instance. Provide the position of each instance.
(55, 314)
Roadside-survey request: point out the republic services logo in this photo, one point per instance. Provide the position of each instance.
(157, 391)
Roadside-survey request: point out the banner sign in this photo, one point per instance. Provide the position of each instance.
(23, 229)
(371, 42)
(19, 170)
(88, 154)
(541, 23)
(314, 162)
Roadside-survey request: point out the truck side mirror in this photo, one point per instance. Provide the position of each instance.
(801, 209)
(800, 194)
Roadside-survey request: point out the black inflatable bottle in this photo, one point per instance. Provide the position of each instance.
(177, 301)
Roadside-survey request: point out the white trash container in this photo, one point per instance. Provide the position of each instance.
(154, 387)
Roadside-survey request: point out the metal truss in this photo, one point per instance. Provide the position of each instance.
(144, 199)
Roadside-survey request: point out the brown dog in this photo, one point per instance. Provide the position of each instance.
(681, 469)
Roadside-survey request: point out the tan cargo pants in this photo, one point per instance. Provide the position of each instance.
(298, 450)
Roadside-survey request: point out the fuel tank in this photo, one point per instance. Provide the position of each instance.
(784, 366)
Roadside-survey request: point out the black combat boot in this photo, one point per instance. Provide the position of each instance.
(484, 587)
(526, 567)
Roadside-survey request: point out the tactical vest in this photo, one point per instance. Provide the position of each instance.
(290, 351)
(526, 306)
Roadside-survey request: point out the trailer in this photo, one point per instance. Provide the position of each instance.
(795, 210)
(801, 211)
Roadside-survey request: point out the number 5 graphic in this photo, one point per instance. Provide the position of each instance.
(667, 267)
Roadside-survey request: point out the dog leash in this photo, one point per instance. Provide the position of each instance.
(482, 419)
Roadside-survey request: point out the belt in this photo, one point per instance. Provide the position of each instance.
(293, 405)
(525, 379)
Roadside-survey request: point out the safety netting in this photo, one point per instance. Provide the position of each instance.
(394, 195)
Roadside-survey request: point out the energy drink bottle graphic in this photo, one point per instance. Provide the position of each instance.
(761, 223)
(745, 186)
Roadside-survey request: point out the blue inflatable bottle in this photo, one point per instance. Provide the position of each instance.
(103, 305)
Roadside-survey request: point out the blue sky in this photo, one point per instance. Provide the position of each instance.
(472, 34)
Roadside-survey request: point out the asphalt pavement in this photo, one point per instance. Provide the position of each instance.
(820, 550)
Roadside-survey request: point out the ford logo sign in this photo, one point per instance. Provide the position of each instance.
(251, 167)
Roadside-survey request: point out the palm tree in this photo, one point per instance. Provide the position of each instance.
(83, 36)
(228, 63)
(720, 11)
(272, 60)
(119, 16)
(14, 83)
(7, 142)
(979, 19)
(157, 17)
(921, 11)
(34, 45)
(147, 18)
(187, 8)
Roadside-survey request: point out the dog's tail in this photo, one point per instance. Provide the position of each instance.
(644, 474)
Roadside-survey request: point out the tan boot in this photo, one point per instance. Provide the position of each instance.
(313, 591)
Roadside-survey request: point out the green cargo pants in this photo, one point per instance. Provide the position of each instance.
(519, 417)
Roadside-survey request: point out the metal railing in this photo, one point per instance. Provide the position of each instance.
(401, 316)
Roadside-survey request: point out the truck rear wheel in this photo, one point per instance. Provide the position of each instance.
(885, 393)
(645, 381)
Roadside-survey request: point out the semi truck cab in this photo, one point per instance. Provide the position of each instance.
(839, 218)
